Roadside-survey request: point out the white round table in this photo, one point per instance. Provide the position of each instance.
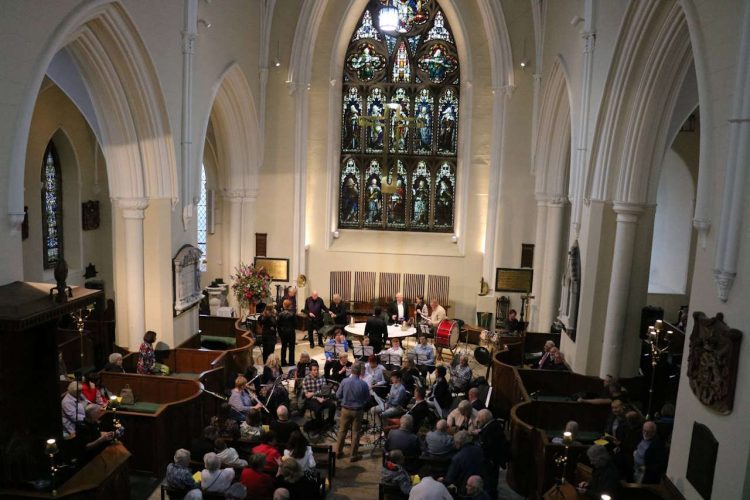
(394, 331)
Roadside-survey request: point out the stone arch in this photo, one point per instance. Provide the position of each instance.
(129, 104)
(651, 61)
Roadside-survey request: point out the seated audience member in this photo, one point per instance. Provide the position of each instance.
(272, 454)
(425, 356)
(441, 397)
(255, 480)
(281, 494)
(394, 473)
(299, 449)
(461, 375)
(227, 427)
(429, 488)
(338, 369)
(616, 424)
(204, 443)
(291, 477)
(546, 355)
(251, 427)
(475, 489)
(214, 479)
(90, 438)
(228, 455)
(462, 417)
(374, 372)
(313, 385)
(236, 491)
(93, 390)
(403, 438)
(558, 362)
(240, 400)
(115, 363)
(438, 442)
(73, 408)
(490, 437)
(604, 476)
(650, 456)
(623, 454)
(420, 409)
(283, 427)
(396, 400)
(572, 427)
(468, 461)
(473, 397)
(179, 475)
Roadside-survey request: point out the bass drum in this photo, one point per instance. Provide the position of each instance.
(446, 334)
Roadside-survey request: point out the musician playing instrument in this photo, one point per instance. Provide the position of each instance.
(395, 349)
(441, 398)
(461, 375)
(395, 402)
(425, 356)
(374, 372)
(241, 401)
(339, 369)
(438, 313)
(354, 394)
(421, 313)
(313, 385)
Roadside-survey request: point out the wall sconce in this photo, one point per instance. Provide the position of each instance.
(524, 63)
(205, 23)
(277, 59)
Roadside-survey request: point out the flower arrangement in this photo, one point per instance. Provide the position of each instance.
(251, 284)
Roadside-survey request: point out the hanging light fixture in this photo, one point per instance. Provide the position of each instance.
(388, 18)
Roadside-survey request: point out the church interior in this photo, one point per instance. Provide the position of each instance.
(544, 201)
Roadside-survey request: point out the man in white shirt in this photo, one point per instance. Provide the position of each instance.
(397, 310)
(429, 488)
(391, 357)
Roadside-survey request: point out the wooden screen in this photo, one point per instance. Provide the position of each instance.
(390, 285)
(364, 286)
(341, 283)
(413, 286)
(437, 288)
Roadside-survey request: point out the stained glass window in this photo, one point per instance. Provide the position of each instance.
(202, 219)
(52, 213)
(399, 122)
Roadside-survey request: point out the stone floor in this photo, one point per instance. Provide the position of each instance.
(354, 480)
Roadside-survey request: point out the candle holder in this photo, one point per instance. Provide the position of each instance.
(659, 342)
(51, 450)
(114, 402)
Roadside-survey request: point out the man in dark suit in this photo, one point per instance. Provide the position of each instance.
(398, 311)
(314, 308)
(376, 330)
(337, 309)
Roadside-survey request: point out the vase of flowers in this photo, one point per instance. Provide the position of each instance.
(251, 285)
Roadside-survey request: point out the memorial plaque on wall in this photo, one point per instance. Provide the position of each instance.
(187, 278)
(702, 459)
(513, 280)
(277, 268)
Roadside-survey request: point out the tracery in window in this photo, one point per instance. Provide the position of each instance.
(399, 122)
(52, 212)
(202, 220)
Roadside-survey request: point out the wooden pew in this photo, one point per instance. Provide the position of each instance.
(507, 387)
(533, 468)
(153, 437)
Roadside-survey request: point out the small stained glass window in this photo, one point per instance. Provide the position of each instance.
(202, 220)
(52, 210)
(399, 122)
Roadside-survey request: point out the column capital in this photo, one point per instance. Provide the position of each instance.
(628, 212)
(132, 208)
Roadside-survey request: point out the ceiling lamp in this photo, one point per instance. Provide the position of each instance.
(388, 19)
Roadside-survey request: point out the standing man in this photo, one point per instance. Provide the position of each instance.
(376, 330)
(314, 308)
(354, 394)
(397, 310)
(438, 313)
(337, 310)
(291, 296)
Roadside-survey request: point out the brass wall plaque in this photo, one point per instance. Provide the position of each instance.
(277, 268)
(513, 280)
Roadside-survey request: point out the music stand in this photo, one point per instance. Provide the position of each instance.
(388, 359)
(362, 351)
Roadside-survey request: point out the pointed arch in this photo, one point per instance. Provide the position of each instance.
(551, 160)
(650, 63)
(128, 101)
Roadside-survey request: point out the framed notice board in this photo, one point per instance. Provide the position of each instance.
(513, 280)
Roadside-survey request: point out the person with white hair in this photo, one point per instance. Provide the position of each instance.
(605, 478)
(461, 375)
(73, 408)
(475, 488)
(115, 363)
(397, 310)
(467, 462)
(292, 477)
(281, 494)
(179, 476)
(403, 438)
(463, 416)
(214, 479)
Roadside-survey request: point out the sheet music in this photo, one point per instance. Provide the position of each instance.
(378, 400)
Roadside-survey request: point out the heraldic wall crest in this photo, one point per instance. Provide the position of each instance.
(712, 361)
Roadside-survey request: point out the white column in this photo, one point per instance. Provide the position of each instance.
(550, 299)
(132, 210)
(234, 229)
(619, 288)
(536, 287)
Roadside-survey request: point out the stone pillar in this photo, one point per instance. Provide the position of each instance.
(132, 210)
(241, 232)
(536, 287)
(550, 299)
(619, 288)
